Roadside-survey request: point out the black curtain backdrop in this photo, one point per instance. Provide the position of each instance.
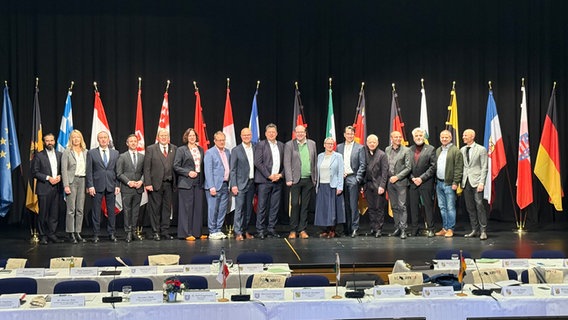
(278, 43)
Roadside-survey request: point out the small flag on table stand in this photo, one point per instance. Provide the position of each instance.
(461, 273)
(223, 274)
(337, 276)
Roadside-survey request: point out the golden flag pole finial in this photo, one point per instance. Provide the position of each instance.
(393, 87)
(37, 82)
(454, 85)
(168, 85)
(195, 85)
(6, 83)
(228, 82)
(296, 84)
(522, 82)
(72, 84)
(554, 85)
(257, 84)
(95, 85)
(330, 82)
(490, 87)
(362, 85)
(139, 83)
(422, 83)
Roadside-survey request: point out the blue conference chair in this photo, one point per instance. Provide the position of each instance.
(254, 257)
(307, 281)
(512, 274)
(77, 286)
(446, 254)
(204, 259)
(137, 284)
(3, 263)
(18, 285)
(193, 282)
(112, 262)
(548, 254)
(499, 254)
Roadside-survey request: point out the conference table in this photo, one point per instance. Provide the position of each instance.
(541, 304)
(157, 274)
(438, 266)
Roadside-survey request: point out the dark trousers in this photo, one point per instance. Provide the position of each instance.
(269, 195)
(97, 207)
(243, 208)
(48, 213)
(160, 206)
(351, 196)
(421, 196)
(397, 198)
(300, 194)
(376, 208)
(131, 210)
(475, 208)
(190, 217)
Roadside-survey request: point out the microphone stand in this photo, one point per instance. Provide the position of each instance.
(482, 291)
(240, 296)
(112, 299)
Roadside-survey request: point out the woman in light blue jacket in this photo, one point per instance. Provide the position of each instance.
(330, 208)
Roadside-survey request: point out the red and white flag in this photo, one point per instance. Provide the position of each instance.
(229, 124)
(199, 123)
(493, 142)
(139, 132)
(524, 171)
(223, 270)
(164, 116)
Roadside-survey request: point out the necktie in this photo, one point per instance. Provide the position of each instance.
(105, 159)
(134, 160)
(467, 153)
(165, 152)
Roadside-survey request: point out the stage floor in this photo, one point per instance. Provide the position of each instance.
(315, 251)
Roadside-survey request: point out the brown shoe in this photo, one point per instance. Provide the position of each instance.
(304, 235)
(323, 235)
(239, 237)
(190, 238)
(203, 237)
(441, 232)
(292, 235)
(249, 236)
(449, 234)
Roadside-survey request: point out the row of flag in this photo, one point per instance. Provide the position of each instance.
(547, 166)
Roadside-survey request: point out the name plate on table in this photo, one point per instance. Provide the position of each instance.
(199, 296)
(197, 268)
(146, 297)
(438, 292)
(252, 268)
(84, 272)
(388, 291)
(516, 263)
(173, 269)
(309, 294)
(11, 301)
(559, 290)
(66, 300)
(269, 295)
(565, 263)
(517, 291)
(448, 264)
(143, 270)
(31, 272)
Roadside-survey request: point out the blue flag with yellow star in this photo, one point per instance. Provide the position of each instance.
(9, 154)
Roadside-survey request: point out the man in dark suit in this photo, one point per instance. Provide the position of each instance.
(473, 183)
(101, 183)
(159, 181)
(129, 170)
(423, 162)
(268, 160)
(217, 170)
(241, 181)
(399, 169)
(46, 169)
(375, 184)
(354, 174)
(300, 159)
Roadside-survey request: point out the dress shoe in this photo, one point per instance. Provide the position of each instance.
(190, 238)
(156, 237)
(304, 235)
(483, 236)
(248, 236)
(167, 236)
(203, 237)
(128, 236)
(395, 233)
(323, 235)
(54, 239)
(331, 234)
(273, 234)
(430, 234)
(472, 234)
(239, 237)
(96, 239)
(403, 234)
(43, 241)
(449, 233)
(292, 235)
(378, 234)
(79, 238)
(112, 237)
(261, 235)
(354, 234)
(72, 238)
(441, 232)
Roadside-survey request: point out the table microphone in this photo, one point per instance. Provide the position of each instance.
(240, 296)
(355, 294)
(482, 291)
(112, 298)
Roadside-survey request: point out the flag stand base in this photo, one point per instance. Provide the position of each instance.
(336, 297)
(520, 230)
(34, 239)
(223, 300)
(461, 294)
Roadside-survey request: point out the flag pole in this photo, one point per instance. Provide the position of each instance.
(139, 83)
(422, 83)
(359, 102)
(35, 234)
(257, 84)
(228, 82)
(337, 266)
(72, 84)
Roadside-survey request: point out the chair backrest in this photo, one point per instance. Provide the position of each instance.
(446, 254)
(63, 262)
(548, 254)
(76, 286)
(3, 263)
(162, 260)
(112, 262)
(193, 282)
(137, 284)
(312, 280)
(263, 280)
(254, 257)
(499, 254)
(360, 277)
(18, 285)
(204, 259)
(550, 276)
(494, 275)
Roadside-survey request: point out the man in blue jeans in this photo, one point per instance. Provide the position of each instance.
(449, 169)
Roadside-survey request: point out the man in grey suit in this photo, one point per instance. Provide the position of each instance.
(354, 175)
(473, 180)
(300, 171)
(217, 171)
(241, 181)
(159, 181)
(268, 161)
(46, 169)
(399, 169)
(101, 183)
(422, 183)
(129, 170)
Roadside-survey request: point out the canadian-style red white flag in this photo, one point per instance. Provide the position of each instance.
(139, 132)
(229, 124)
(164, 116)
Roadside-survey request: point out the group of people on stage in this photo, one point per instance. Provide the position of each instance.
(338, 178)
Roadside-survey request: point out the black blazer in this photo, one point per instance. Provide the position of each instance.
(41, 169)
(125, 171)
(157, 167)
(183, 164)
(377, 171)
(98, 176)
(425, 167)
(263, 161)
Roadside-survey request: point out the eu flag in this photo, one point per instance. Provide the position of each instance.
(9, 154)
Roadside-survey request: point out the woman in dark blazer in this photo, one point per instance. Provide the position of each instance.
(188, 166)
